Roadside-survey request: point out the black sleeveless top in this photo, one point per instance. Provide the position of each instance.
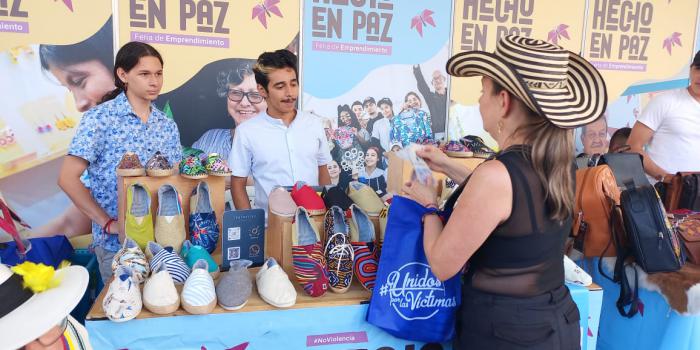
(524, 255)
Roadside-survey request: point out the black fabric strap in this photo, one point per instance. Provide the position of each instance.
(12, 294)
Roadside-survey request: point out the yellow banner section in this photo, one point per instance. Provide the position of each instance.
(25, 22)
(479, 23)
(215, 30)
(640, 41)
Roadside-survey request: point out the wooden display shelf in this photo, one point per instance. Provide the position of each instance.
(184, 187)
(356, 295)
(278, 238)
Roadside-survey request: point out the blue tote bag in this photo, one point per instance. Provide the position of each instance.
(408, 301)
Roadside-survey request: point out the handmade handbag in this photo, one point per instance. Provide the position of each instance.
(690, 192)
(408, 301)
(689, 232)
(596, 196)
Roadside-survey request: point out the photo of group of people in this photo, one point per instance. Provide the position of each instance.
(364, 128)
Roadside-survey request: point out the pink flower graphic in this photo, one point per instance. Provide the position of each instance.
(266, 9)
(424, 18)
(558, 33)
(68, 3)
(241, 346)
(671, 41)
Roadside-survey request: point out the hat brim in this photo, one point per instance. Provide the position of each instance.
(44, 310)
(583, 102)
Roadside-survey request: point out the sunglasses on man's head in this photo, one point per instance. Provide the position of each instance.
(237, 96)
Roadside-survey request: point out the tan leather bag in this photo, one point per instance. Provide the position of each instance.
(689, 230)
(596, 195)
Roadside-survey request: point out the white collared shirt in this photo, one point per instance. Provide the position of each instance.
(277, 155)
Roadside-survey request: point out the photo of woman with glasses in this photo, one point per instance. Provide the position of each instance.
(243, 102)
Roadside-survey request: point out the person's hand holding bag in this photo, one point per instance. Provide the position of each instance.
(424, 194)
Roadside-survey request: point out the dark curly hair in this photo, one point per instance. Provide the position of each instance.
(269, 61)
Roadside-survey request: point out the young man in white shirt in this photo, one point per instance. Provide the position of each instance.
(282, 145)
(669, 127)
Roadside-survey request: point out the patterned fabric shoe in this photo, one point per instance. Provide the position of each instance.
(132, 256)
(427, 141)
(130, 165)
(159, 165)
(199, 293)
(477, 145)
(204, 230)
(216, 166)
(456, 149)
(362, 237)
(191, 167)
(307, 255)
(173, 263)
(123, 299)
(446, 187)
(338, 252)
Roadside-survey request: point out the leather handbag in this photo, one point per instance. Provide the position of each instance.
(690, 192)
(597, 195)
(689, 231)
(671, 189)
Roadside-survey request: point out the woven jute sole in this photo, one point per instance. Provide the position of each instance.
(459, 154)
(162, 310)
(159, 172)
(195, 177)
(219, 173)
(131, 172)
(316, 212)
(198, 310)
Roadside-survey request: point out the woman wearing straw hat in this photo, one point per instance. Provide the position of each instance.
(35, 306)
(514, 212)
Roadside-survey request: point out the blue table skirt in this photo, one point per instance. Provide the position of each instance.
(339, 327)
(659, 328)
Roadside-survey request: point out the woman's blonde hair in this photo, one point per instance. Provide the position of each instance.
(552, 156)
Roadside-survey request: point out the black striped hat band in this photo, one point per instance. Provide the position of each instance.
(557, 84)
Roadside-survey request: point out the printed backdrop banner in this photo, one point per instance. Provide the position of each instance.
(209, 47)
(478, 24)
(56, 62)
(643, 41)
(373, 58)
(640, 47)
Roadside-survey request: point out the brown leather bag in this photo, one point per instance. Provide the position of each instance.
(594, 211)
(674, 188)
(689, 230)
